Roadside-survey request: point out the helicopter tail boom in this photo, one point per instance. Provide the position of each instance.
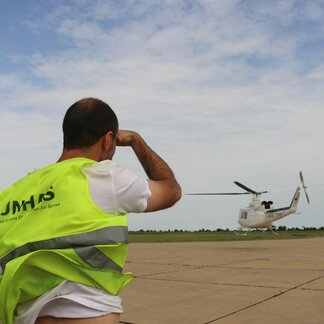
(293, 205)
(294, 201)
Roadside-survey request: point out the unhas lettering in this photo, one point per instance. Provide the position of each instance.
(16, 206)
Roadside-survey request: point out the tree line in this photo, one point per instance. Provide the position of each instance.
(204, 230)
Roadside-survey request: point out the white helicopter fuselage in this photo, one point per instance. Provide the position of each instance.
(261, 214)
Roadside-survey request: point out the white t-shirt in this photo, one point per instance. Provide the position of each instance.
(114, 189)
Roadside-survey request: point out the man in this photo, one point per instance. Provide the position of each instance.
(63, 228)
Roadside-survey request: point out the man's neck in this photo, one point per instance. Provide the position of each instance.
(74, 153)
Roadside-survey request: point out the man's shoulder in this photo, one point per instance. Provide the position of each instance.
(104, 167)
(101, 165)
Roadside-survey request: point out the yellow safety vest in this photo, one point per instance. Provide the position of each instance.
(51, 230)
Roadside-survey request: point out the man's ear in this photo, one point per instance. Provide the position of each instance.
(107, 140)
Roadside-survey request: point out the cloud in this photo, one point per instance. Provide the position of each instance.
(228, 88)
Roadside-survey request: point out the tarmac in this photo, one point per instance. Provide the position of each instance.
(271, 281)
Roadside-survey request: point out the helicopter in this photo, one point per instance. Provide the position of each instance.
(260, 214)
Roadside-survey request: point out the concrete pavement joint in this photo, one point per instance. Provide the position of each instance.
(264, 300)
(228, 265)
(212, 283)
(166, 272)
(312, 289)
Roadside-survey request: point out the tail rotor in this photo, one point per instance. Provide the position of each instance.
(303, 184)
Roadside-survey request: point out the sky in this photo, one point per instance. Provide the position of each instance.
(223, 90)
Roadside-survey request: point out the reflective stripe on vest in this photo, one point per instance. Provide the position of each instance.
(83, 245)
(97, 259)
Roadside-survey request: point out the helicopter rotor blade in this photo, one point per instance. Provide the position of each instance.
(245, 187)
(304, 187)
(217, 193)
(249, 189)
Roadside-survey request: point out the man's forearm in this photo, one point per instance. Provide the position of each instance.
(165, 190)
(154, 166)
